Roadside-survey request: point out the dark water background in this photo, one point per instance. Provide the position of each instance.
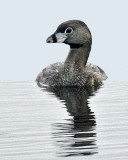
(37, 124)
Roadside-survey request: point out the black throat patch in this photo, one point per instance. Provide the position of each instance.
(75, 46)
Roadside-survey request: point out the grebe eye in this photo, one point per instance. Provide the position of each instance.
(68, 30)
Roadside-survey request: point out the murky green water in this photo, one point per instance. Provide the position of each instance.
(36, 124)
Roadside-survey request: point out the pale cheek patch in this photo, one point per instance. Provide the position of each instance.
(61, 37)
(61, 40)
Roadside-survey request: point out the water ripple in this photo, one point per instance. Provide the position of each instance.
(36, 123)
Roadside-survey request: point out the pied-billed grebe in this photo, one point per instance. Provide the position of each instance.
(75, 71)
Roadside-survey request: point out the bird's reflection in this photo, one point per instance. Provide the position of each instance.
(77, 135)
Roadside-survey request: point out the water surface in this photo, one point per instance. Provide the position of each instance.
(37, 124)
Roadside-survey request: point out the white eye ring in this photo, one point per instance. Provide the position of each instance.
(68, 30)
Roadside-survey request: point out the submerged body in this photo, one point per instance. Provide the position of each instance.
(74, 71)
(49, 72)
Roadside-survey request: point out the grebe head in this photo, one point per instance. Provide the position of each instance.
(73, 32)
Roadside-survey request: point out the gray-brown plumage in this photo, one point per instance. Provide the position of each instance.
(75, 71)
